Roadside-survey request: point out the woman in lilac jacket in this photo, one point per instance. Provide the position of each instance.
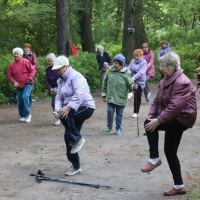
(138, 68)
(173, 110)
(149, 57)
(74, 104)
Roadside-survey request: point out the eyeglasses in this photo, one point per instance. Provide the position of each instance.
(163, 67)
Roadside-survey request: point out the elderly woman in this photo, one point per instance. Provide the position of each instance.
(74, 104)
(30, 55)
(150, 73)
(173, 111)
(21, 73)
(102, 58)
(138, 68)
(163, 50)
(51, 79)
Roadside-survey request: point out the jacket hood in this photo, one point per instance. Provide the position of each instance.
(124, 69)
(139, 61)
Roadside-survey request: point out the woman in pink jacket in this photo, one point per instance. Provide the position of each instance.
(150, 73)
(173, 110)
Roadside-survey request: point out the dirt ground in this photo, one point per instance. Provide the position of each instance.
(105, 159)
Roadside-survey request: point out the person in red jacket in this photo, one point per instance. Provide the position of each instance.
(30, 55)
(21, 73)
(173, 110)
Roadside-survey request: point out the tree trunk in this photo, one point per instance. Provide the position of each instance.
(64, 45)
(86, 26)
(140, 36)
(127, 39)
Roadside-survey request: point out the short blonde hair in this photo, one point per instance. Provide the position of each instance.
(51, 56)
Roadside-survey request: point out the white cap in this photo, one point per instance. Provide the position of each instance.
(59, 62)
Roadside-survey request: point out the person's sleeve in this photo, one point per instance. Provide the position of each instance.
(158, 54)
(180, 95)
(10, 75)
(109, 59)
(129, 81)
(142, 71)
(104, 87)
(100, 64)
(58, 100)
(78, 85)
(31, 70)
(34, 62)
(47, 80)
(150, 64)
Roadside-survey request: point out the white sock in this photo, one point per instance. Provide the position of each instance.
(178, 186)
(153, 161)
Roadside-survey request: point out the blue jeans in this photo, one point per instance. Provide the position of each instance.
(73, 125)
(23, 100)
(119, 115)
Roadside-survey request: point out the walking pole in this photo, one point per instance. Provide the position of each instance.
(40, 176)
(137, 112)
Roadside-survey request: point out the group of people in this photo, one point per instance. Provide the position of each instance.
(173, 110)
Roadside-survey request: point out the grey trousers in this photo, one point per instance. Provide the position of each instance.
(146, 89)
(102, 75)
(53, 101)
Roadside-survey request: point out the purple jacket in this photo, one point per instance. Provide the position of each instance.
(51, 78)
(73, 91)
(149, 57)
(163, 51)
(138, 70)
(175, 100)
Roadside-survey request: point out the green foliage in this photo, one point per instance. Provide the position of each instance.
(85, 63)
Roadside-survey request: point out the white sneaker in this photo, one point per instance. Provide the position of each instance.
(149, 96)
(135, 115)
(130, 94)
(58, 122)
(54, 112)
(76, 146)
(22, 120)
(28, 118)
(72, 171)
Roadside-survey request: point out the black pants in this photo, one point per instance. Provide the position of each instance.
(173, 133)
(138, 99)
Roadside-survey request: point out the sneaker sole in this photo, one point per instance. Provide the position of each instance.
(153, 168)
(73, 173)
(79, 148)
(175, 193)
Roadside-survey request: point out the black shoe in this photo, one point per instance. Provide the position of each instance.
(145, 134)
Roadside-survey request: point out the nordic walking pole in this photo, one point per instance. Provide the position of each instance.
(40, 177)
(137, 112)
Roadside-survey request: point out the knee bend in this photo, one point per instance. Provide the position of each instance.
(146, 122)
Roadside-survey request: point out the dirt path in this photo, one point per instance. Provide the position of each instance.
(105, 159)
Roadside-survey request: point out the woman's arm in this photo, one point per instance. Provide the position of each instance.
(141, 71)
(99, 62)
(104, 87)
(150, 64)
(180, 95)
(58, 100)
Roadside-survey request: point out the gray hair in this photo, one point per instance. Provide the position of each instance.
(19, 50)
(100, 47)
(52, 56)
(171, 58)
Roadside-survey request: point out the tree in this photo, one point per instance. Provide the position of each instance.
(64, 44)
(86, 26)
(127, 39)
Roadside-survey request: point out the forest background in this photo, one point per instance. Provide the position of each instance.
(52, 26)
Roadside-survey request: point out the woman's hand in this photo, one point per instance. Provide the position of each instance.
(28, 81)
(152, 125)
(135, 87)
(57, 114)
(16, 84)
(64, 112)
(104, 99)
(55, 92)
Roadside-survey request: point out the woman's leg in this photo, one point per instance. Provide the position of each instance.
(53, 102)
(110, 114)
(20, 103)
(172, 141)
(119, 117)
(146, 89)
(138, 99)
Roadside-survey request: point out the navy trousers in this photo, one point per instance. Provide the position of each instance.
(73, 125)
